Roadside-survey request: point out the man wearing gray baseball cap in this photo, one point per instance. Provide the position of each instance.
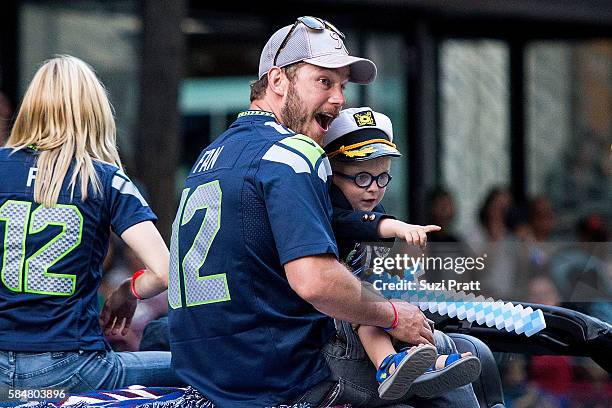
(303, 69)
(255, 279)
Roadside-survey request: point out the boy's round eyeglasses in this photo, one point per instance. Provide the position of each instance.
(364, 179)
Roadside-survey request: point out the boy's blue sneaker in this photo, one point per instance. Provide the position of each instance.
(408, 364)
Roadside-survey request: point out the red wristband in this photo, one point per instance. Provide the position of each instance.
(133, 283)
(395, 319)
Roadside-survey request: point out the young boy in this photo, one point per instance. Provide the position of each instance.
(359, 144)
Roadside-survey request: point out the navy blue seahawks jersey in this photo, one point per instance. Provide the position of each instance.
(52, 256)
(255, 199)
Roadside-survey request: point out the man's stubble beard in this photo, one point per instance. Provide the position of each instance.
(294, 114)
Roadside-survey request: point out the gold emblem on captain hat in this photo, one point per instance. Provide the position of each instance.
(365, 118)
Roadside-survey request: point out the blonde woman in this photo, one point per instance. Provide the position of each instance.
(62, 190)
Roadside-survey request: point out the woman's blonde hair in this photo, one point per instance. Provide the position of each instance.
(67, 117)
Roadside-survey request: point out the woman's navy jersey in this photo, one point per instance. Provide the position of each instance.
(52, 256)
(255, 200)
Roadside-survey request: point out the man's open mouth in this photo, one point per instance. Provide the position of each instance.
(324, 120)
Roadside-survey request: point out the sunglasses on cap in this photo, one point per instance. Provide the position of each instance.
(364, 179)
(314, 23)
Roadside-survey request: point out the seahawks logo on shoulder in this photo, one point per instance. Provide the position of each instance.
(365, 118)
(302, 154)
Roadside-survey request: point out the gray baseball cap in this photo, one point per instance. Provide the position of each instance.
(323, 48)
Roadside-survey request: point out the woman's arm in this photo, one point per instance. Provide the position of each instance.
(144, 239)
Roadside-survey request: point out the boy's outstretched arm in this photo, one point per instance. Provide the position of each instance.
(412, 234)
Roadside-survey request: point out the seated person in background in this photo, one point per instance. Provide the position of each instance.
(551, 373)
(444, 243)
(492, 235)
(359, 144)
(580, 270)
(441, 213)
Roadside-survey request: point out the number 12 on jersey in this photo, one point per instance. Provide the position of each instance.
(199, 290)
(31, 274)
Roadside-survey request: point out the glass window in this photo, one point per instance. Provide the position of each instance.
(103, 34)
(569, 131)
(387, 94)
(475, 136)
(208, 106)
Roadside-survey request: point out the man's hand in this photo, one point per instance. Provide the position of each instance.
(412, 234)
(412, 327)
(118, 310)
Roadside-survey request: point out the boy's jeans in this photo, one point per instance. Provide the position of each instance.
(78, 371)
(353, 377)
